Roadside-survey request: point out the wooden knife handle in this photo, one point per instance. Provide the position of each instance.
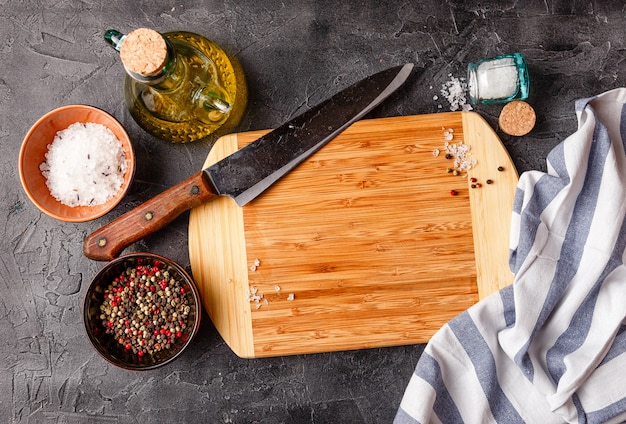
(107, 242)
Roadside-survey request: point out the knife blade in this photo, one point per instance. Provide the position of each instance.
(250, 171)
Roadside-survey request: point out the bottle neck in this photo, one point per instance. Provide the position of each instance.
(169, 77)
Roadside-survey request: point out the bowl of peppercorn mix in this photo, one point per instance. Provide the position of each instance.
(141, 311)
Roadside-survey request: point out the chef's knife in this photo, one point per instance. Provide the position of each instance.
(251, 170)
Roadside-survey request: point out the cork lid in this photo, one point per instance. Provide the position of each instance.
(144, 52)
(517, 118)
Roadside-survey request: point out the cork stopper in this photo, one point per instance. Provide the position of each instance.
(517, 118)
(144, 52)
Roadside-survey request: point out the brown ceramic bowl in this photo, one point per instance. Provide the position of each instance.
(126, 354)
(35, 146)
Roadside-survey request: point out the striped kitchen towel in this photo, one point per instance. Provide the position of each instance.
(550, 348)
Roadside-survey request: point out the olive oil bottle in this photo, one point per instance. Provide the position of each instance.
(179, 86)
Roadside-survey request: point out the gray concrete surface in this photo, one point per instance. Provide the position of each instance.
(294, 54)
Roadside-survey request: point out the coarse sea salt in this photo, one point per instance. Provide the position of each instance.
(453, 91)
(496, 79)
(85, 165)
(462, 155)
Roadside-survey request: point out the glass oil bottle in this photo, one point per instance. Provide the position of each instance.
(179, 86)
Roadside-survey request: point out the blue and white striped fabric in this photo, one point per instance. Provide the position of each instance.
(550, 348)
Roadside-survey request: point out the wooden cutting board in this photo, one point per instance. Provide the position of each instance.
(361, 246)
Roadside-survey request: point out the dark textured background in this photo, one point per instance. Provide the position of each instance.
(294, 55)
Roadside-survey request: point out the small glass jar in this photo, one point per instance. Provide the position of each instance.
(498, 79)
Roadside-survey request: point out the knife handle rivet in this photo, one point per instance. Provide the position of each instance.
(194, 189)
(102, 242)
(148, 216)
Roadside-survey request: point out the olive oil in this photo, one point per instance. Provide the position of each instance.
(198, 91)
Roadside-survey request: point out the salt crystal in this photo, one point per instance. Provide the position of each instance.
(462, 156)
(85, 165)
(454, 92)
(255, 265)
(497, 79)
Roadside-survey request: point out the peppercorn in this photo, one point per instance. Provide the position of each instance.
(489, 181)
(132, 296)
(453, 192)
(500, 168)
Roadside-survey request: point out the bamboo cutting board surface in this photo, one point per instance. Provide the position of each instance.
(363, 244)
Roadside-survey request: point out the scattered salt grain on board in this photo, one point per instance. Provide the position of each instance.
(462, 155)
(253, 296)
(85, 165)
(255, 265)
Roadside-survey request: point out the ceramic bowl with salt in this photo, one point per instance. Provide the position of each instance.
(43, 190)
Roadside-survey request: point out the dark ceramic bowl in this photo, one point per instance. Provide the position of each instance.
(113, 337)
